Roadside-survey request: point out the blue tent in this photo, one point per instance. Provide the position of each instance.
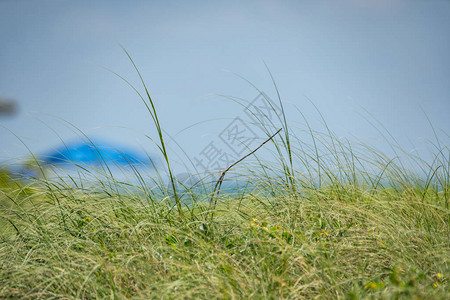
(81, 152)
(93, 152)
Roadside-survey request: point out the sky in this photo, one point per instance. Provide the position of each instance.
(352, 59)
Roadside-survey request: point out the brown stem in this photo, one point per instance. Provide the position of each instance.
(219, 182)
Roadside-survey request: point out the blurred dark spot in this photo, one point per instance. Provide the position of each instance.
(7, 107)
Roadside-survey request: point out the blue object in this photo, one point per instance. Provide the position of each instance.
(93, 153)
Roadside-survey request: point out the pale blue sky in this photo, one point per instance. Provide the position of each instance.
(386, 56)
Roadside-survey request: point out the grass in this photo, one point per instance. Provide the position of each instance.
(326, 244)
(328, 220)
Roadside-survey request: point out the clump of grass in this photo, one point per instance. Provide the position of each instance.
(329, 219)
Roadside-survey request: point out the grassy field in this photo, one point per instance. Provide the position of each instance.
(341, 242)
(328, 220)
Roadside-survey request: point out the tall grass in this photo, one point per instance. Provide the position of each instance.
(320, 219)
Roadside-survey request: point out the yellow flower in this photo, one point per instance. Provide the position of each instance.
(371, 285)
(375, 285)
(265, 228)
(254, 220)
(435, 284)
(439, 276)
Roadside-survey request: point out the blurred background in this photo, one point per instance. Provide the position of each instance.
(352, 59)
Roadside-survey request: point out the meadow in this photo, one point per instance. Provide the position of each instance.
(319, 220)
